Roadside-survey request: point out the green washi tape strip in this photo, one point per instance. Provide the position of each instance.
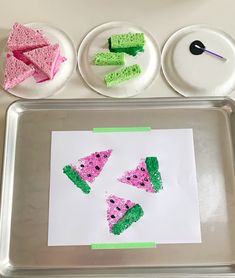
(129, 245)
(121, 129)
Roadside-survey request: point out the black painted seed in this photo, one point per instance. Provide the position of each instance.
(127, 206)
(82, 165)
(118, 208)
(146, 179)
(97, 155)
(142, 169)
(112, 201)
(142, 184)
(97, 167)
(134, 176)
(112, 216)
(89, 175)
(128, 178)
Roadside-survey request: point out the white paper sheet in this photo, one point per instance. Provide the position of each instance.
(170, 216)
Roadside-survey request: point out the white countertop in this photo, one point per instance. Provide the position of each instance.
(76, 17)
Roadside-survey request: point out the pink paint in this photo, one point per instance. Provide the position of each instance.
(138, 177)
(25, 38)
(90, 167)
(15, 72)
(117, 207)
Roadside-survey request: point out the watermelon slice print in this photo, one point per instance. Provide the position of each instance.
(87, 169)
(146, 176)
(121, 214)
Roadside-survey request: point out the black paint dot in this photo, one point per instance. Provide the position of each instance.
(142, 184)
(97, 167)
(112, 216)
(118, 208)
(142, 169)
(194, 49)
(97, 155)
(146, 179)
(134, 176)
(89, 175)
(128, 178)
(127, 206)
(82, 165)
(112, 201)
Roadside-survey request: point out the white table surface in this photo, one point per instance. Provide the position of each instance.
(76, 17)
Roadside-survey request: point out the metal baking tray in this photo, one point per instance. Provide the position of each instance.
(25, 189)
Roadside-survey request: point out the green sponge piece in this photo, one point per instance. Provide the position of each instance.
(124, 74)
(129, 50)
(127, 40)
(107, 58)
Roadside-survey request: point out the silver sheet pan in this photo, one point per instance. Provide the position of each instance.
(25, 189)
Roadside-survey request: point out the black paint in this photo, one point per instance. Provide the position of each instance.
(194, 50)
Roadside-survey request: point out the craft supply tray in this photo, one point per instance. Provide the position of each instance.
(26, 179)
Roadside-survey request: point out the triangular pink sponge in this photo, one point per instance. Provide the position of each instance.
(25, 38)
(15, 72)
(44, 58)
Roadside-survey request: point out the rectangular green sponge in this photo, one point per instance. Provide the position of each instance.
(127, 40)
(109, 58)
(124, 74)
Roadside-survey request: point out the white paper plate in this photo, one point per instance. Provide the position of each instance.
(199, 75)
(97, 40)
(29, 88)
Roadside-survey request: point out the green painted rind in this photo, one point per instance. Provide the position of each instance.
(153, 169)
(132, 215)
(76, 179)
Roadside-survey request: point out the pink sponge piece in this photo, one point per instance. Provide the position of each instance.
(40, 77)
(44, 58)
(25, 38)
(15, 72)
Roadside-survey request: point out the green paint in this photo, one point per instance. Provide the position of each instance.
(76, 179)
(153, 169)
(132, 215)
(129, 50)
(121, 129)
(129, 245)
